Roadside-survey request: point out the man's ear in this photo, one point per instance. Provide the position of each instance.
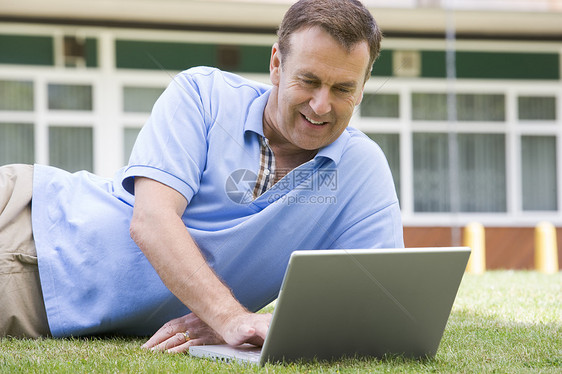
(275, 65)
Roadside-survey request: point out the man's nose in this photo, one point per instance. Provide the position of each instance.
(321, 101)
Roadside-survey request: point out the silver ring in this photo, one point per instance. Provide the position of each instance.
(186, 335)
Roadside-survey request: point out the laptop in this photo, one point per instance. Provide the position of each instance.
(357, 303)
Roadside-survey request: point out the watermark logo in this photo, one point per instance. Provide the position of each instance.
(327, 179)
(297, 199)
(240, 185)
(299, 186)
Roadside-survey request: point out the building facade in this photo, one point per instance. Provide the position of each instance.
(465, 102)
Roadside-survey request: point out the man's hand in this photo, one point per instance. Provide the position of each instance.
(250, 328)
(247, 328)
(159, 231)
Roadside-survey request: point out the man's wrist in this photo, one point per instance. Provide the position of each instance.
(229, 315)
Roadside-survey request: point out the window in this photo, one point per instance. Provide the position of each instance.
(228, 57)
(538, 172)
(481, 173)
(469, 107)
(390, 145)
(71, 148)
(16, 95)
(480, 107)
(70, 97)
(74, 51)
(380, 105)
(129, 138)
(140, 99)
(431, 172)
(541, 108)
(429, 106)
(16, 143)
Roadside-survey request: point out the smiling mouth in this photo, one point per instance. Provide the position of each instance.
(315, 123)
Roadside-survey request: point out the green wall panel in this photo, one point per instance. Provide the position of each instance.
(383, 64)
(254, 59)
(493, 65)
(508, 65)
(163, 55)
(91, 48)
(433, 64)
(26, 50)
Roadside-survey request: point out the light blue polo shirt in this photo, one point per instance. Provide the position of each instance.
(202, 139)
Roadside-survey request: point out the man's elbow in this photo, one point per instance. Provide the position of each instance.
(137, 227)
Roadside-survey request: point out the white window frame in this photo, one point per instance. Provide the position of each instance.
(109, 120)
(511, 127)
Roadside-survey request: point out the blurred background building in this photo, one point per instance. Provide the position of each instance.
(465, 99)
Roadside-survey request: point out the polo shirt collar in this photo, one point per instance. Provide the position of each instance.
(254, 119)
(334, 150)
(254, 123)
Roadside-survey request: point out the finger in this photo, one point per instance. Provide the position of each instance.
(245, 333)
(184, 348)
(258, 326)
(175, 341)
(262, 326)
(167, 331)
(246, 330)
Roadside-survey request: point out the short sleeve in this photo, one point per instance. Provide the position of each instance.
(172, 146)
(370, 211)
(382, 229)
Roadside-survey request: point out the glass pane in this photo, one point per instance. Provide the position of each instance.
(71, 148)
(380, 106)
(390, 145)
(140, 99)
(431, 172)
(537, 108)
(70, 97)
(480, 107)
(470, 107)
(130, 136)
(429, 107)
(538, 172)
(17, 143)
(16, 95)
(481, 172)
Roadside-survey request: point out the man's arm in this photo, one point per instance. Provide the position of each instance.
(160, 233)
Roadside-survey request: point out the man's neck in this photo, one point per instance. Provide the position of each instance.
(287, 160)
(287, 155)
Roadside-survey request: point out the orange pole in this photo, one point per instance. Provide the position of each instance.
(474, 237)
(546, 248)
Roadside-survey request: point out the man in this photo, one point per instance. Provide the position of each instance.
(227, 178)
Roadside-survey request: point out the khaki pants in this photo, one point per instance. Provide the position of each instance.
(22, 311)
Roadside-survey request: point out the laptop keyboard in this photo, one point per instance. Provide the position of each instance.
(253, 353)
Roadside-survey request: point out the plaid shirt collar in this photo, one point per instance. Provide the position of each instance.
(266, 176)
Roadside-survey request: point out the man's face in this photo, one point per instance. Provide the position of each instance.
(318, 86)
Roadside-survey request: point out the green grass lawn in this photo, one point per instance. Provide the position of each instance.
(502, 321)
